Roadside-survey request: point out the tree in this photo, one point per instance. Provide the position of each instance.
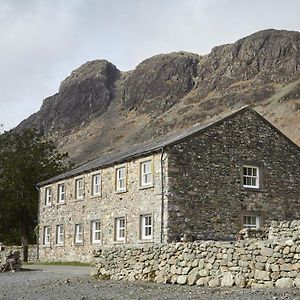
(26, 158)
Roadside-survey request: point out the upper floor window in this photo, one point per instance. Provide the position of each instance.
(120, 229)
(59, 234)
(251, 221)
(48, 195)
(121, 179)
(96, 231)
(146, 226)
(79, 188)
(61, 193)
(96, 184)
(46, 235)
(146, 178)
(251, 177)
(78, 234)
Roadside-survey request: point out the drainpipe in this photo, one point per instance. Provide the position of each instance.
(162, 195)
(38, 224)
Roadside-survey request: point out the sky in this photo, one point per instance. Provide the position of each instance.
(42, 41)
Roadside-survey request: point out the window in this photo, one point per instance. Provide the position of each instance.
(251, 221)
(78, 234)
(145, 173)
(96, 232)
(79, 188)
(120, 229)
(146, 227)
(48, 195)
(250, 177)
(121, 179)
(61, 193)
(96, 184)
(59, 234)
(46, 236)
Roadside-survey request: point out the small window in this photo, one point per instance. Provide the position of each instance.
(48, 196)
(121, 179)
(146, 227)
(250, 177)
(120, 229)
(46, 235)
(96, 232)
(59, 234)
(61, 193)
(79, 188)
(251, 221)
(78, 234)
(145, 173)
(96, 185)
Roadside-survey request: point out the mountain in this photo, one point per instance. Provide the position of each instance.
(99, 108)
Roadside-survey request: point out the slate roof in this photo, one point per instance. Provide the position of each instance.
(145, 148)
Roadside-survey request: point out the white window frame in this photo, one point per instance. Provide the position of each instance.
(120, 229)
(79, 188)
(78, 234)
(61, 193)
(48, 196)
(46, 236)
(146, 173)
(146, 228)
(249, 176)
(120, 180)
(96, 186)
(251, 225)
(59, 234)
(96, 232)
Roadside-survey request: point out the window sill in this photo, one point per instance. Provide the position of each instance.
(60, 203)
(119, 242)
(78, 244)
(142, 187)
(59, 245)
(79, 199)
(46, 246)
(120, 191)
(96, 196)
(146, 241)
(251, 189)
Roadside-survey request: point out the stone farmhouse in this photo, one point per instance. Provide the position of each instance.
(208, 182)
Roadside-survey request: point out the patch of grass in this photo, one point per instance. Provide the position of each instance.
(59, 263)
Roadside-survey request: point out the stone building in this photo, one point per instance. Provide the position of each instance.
(207, 182)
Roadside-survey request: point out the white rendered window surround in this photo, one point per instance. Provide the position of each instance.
(59, 234)
(146, 227)
(78, 234)
(120, 229)
(61, 193)
(79, 188)
(46, 236)
(251, 177)
(96, 184)
(146, 176)
(121, 179)
(251, 221)
(96, 232)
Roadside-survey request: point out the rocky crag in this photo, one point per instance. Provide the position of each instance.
(99, 108)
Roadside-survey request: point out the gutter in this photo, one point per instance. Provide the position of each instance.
(38, 224)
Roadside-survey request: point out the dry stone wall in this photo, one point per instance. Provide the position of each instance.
(243, 263)
(5, 250)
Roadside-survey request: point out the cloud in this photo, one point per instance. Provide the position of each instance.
(42, 41)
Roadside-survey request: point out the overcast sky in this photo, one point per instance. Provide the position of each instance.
(42, 41)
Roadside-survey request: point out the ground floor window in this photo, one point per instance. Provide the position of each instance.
(96, 231)
(46, 235)
(59, 234)
(146, 226)
(78, 234)
(251, 221)
(120, 229)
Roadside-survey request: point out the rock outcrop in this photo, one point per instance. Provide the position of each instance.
(99, 108)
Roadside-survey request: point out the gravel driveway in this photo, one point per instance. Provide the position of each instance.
(51, 282)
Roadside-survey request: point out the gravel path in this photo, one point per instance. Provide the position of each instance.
(39, 284)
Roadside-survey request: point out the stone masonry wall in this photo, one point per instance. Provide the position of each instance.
(106, 207)
(243, 263)
(205, 178)
(32, 252)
